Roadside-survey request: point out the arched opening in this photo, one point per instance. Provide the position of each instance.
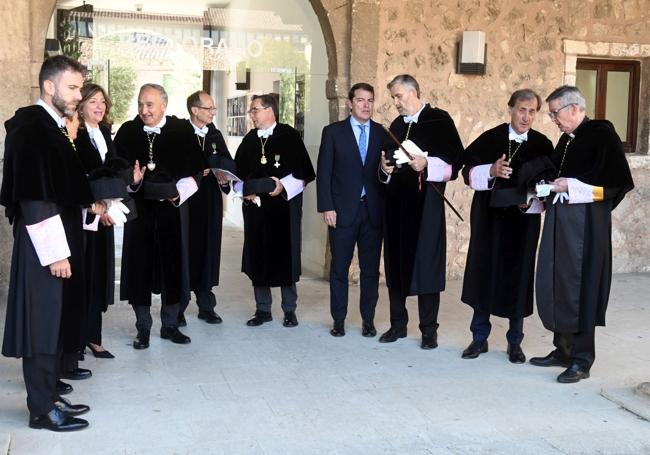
(233, 50)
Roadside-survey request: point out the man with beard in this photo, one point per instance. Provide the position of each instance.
(415, 233)
(155, 247)
(574, 266)
(500, 267)
(275, 166)
(44, 189)
(206, 207)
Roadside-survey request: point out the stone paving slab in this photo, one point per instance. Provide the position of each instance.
(276, 390)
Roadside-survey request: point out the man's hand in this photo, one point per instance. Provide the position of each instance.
(384, 166)
(206, 172)
(222, 178)
(500, 168)
(174, 199)
(106, 220)
(250, 197)
(418, 164)
(278, 187)
(330, 218)
(560, 185)
(61, 269)
(98, 208)
(138, 172)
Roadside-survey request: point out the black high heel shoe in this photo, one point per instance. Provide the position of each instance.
(100, 354)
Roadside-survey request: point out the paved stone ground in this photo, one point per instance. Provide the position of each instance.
(276, 390)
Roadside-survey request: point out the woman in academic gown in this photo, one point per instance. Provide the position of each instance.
(95, 148)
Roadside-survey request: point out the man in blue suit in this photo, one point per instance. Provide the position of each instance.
(351, 200)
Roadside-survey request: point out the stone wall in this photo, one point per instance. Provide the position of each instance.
(22, 37)
(525, 49)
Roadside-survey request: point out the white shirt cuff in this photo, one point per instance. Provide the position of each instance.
(238, 188)
(292, 186)
(49, 240)
(437, 170)
(129, 188)
(536, 206)
(93, 225)
(186, 187)
(580, 193)
(479, 178)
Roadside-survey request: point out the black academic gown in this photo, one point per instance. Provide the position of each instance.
(100, 244)
(155, 252)
(43, 177)
(271, 255)
(500, 268)
(574, 267)
(206, 215)
(415, 244)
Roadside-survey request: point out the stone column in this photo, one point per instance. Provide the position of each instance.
(22, 42)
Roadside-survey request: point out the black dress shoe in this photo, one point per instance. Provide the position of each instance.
(573, 374)
(259, 318)
(338, 329)
(63, 388)
(474, 349)
(210, 317)
(368, 329)
(70, 409)
(180, 320)
(77, 374)
(174, 335)
(290, 319)
(429, 341)
(551, 360)
(392, 335)
(56, 420)
(141, 340)
(515, 354)
(100, 354)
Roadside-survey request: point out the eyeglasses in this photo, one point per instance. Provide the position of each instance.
(211, 109)
(255, 110)
(554, 113)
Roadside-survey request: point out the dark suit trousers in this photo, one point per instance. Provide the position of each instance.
(342, 242)
(428, 306)
(481, 328)
(40, 373)
(577, 347)
(205, 300)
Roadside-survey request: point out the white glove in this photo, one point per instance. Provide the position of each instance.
(563, 196)
(117, 211)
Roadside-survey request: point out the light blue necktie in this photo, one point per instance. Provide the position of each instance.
(363, 146)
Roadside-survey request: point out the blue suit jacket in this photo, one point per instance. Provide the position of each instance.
(341, 173)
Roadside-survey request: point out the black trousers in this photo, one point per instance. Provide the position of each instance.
(94, 324)
(342, 242)
(205, 300)
(578, 347)
(428, 306)
(481, 328)
(40, 373)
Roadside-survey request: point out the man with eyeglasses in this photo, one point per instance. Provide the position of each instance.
(500, 165)
(574, 266)
(206, 207)
(275, 167)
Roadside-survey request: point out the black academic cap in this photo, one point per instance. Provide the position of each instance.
(122, 167)
(106, 184)
(218, 161)
(158, 186)
(533, 171)
(259, 186)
